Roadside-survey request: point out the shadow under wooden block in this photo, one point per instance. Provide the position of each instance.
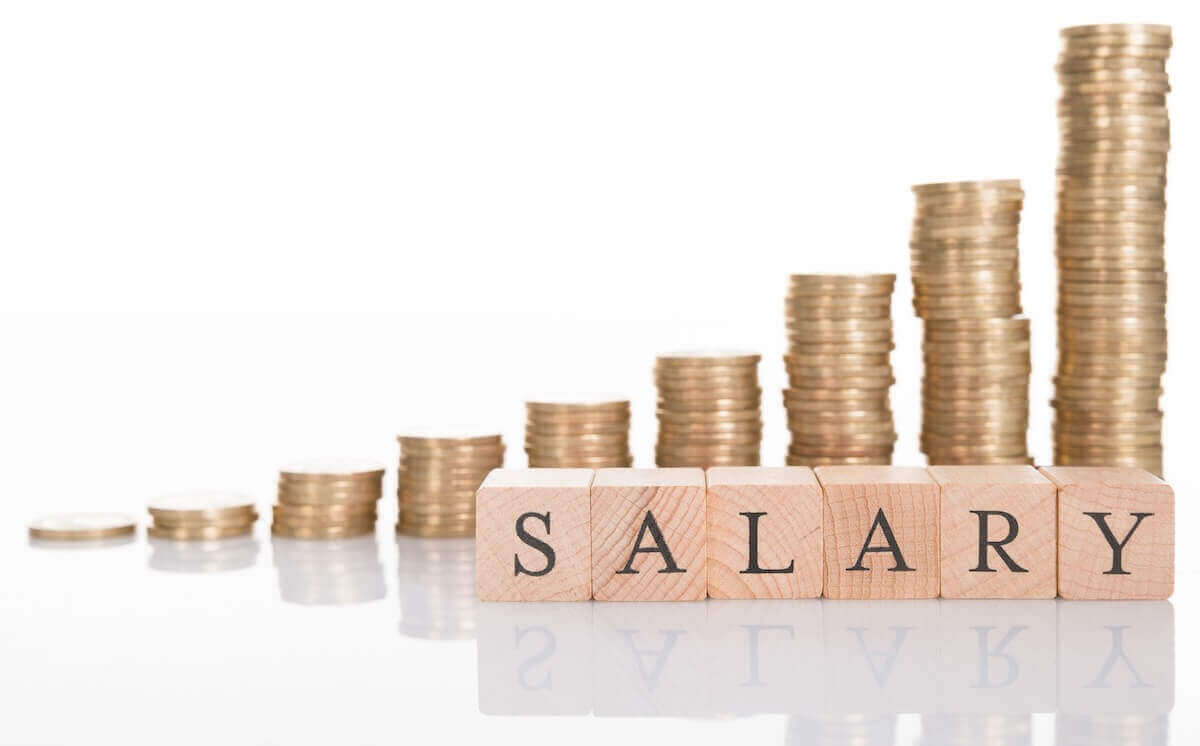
(998, 532)
(648, 535)
(880, 532)
(533, 535)
(1116, 533)
(764, 532)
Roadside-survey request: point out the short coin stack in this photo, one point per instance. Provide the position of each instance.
(327, 500)
(87, 527)
(967, 288)
(1112, 330)
(201, 517)
(709, 409)
(839, 369)
(437, 479)
(583, 435)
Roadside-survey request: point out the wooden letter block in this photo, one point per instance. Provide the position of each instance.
(764, 533)
(533, 535)
(880, 532)
(648, 535)
(998, 532)
(1116, 533)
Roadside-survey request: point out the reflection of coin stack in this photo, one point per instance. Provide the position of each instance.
(201, 517)
(839, 369)
(590, 435)
(221, 555)
(329, 573)
(709, 409)
(967, 288)
(841, 730)
(327, 500)
(437, 588)
(438, 478)
(1112, 729)
(1000, 729)
(1112, 329)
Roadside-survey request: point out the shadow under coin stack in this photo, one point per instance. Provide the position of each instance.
(589, 435)
(437, 480)
(839, 369)
(327, 501)
(1112, 328)
(967, 288)
(709, 409)
(201, 517)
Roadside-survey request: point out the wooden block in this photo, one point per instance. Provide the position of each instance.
(533, 535)
(1116, 533)
(764, 533)
(648, 535)
(880, 532)
(998, 532)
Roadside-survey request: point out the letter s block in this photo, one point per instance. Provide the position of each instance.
(1116, 533)
(648, 535)
(533, 535)
(880, 532)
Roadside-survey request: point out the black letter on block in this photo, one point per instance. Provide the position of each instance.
(1117, 549)
(536, 543)
(753, 568)
(660, 547)
(997, 545)
(881, 522)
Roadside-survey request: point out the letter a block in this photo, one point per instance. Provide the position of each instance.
(998, 532)
(1116, 533)
(533, 535)
(764, 532)
(648, 535)
(880, 532)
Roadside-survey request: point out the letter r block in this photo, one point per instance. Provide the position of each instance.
(1116, 533)
(880, 532)
(533, 535)
(648, 535)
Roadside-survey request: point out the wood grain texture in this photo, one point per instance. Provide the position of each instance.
(853, 497)
(1019, 491)
(789, 534)
(1085, 555)
(507, 494)
(621, 500)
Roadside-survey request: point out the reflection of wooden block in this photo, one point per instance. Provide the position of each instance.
(648, 535)
(998, 532)
(881, 657)
(880, 532)
(533, 535)
(535, 659)
(764, 532)
(1116, 533)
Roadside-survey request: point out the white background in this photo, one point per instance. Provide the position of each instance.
(458, 205)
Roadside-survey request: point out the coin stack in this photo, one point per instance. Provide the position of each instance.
(438, 478)
(839, 369)
(327, 500)
(709, 409)
(1112, 329)
(83, 527)
(967, 288)
(584, 435)
(201, 517)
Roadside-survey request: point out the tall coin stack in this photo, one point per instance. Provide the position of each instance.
(327, 500)
(584, 435)
(437, 480)
(201, 517)
(709, 409)
(967, 288)
(839, 369)
(1112, 280)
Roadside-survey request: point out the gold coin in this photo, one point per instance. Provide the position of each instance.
(82, 527)
(326, 532)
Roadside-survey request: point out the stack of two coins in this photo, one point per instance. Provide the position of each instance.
(839, 369)
(583, 435)
(1112, 330)
(709, 409)
(438, 478)
(201, 517)
(967, 288)
(327, 500)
